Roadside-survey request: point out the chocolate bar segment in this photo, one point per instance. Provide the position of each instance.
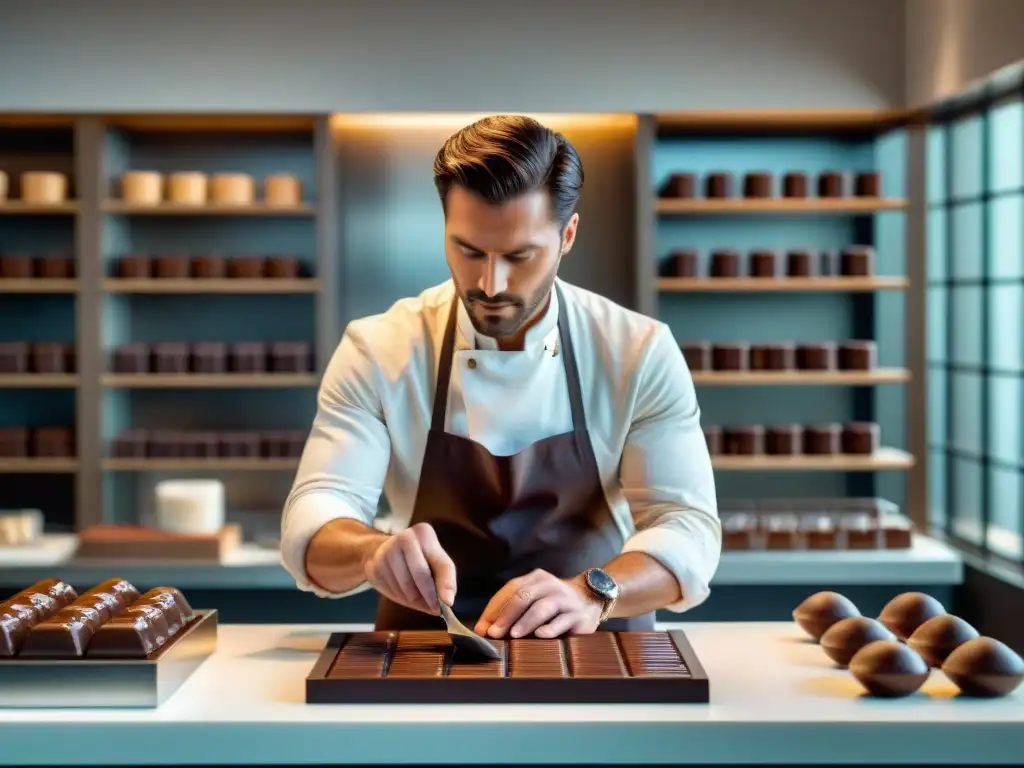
(364, 655)
(67, 634)
(117, 593)
(462, 666)
(172, 603)
(420, 654)
(536, 657)
(652, 654)
(137, 632)
(596, 655)
(61, 592)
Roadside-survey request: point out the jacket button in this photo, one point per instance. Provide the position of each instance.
(471, 363)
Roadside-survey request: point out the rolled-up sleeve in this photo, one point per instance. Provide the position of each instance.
(345, 460)
(666, 474)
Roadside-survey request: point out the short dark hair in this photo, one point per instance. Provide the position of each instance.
(504, 156)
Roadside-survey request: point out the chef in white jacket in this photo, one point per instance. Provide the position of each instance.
(539, 445)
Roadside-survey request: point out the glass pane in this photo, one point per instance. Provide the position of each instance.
(937, 488)
(937, 244)
(966, 324)
(1006, 154)
(967, 247)
(1006, 236)
(1004, 531)
(935, 165)
(967, 500)
(937, 408)
(1006, 327)
(1004, 418)
(966, 426)
(966, 136)
(937, 313)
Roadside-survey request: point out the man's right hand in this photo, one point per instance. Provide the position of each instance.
(412, 569)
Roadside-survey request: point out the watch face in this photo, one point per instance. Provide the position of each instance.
(600, 582)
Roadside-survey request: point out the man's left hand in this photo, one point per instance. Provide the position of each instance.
(541, 604)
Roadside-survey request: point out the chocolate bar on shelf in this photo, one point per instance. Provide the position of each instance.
(604, 667)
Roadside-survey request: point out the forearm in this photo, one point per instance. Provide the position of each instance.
(337, 554)
(645, 585)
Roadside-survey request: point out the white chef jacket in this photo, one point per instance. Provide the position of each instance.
(376, 399)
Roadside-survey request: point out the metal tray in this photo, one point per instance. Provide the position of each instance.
(148, 682)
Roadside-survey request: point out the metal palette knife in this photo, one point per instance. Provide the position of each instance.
(464, 639)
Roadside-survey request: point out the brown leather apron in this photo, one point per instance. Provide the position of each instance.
(499, 517)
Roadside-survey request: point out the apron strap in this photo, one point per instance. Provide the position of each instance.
(572, 373)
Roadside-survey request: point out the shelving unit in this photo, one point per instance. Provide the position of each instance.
(226, 285)
(803, 309)
(40, 310)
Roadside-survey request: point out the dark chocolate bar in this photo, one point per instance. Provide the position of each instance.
(118, 593)
(135, 633)
(172, 603)
(67, 634)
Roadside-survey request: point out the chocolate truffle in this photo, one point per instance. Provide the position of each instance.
(14, 356)
(822, 439)
(889, 669)
(908, 611)
(938, 637)
(757, 184)
(844, 638)
(800, 264)
(698, 355)
(857, 261)
(725, 263)
(730, 357)
(820, 356)
(679, 185)
(718, 184)
(743, 441)
(772, 357)
(713, 438)
(860, 438)
(794, 184)
(762, 263)
(858, 355)
(786, 440)
(683, 262)
(135, 266)
(209, 267)
(984, 667)
(15, 266)
(170, 357)
(868, 184)
(832, 184)
(175, 267)
(821, 610)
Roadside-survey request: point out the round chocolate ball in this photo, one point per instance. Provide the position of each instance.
(940, 636)
(844, 638)
(984, 667)
(821, 610)
(889, 669)
(905, 613)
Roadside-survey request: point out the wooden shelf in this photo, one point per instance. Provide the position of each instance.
(232, 123)
(38, 466)
(802, 378)
(780, 121)
(883, 459)
(174, 209)
(816, 205)
(38, 380)
(781, 284)
(37, 285)
(151, 465)
(18, 208)
(226, 285)
(209, 380)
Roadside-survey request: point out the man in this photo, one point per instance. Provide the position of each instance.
(540, 446)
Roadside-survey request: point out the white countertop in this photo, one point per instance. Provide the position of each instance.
(927, 562)
(775, 699)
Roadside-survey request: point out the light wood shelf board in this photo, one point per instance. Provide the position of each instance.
(209, 380)
(38, 380)
(175, 209)
(802, 378)
(882, 459)
(781, 284)
(816, 205)
(174, 465)
(37, 285)
(226, 285)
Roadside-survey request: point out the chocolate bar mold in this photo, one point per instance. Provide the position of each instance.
(606, 667)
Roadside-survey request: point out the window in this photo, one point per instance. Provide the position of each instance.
(975, 305)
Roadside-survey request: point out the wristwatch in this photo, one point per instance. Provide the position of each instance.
(604, 588)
